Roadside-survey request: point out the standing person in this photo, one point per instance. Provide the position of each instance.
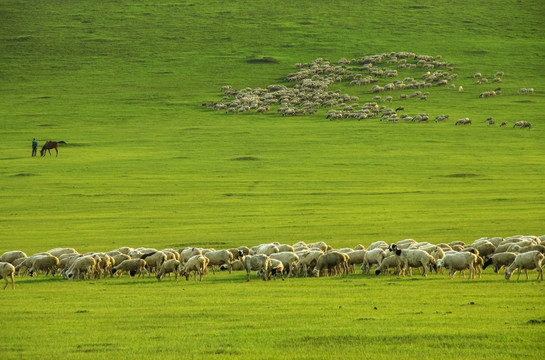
(34, 146)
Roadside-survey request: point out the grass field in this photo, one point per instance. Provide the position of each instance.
(123, 83)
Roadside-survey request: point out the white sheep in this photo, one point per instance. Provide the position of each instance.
(526, 261)
(277, 267)
(82, 267)
(44, 263)
(195, 264)
(154, 260)
(259, 262)
(355, 258)
(169, 266)
(459, 261)
(390, 262)
(414, 258)
(218, 258)
(7, 271)
(500, 260)
(187, 253)
(266, 249)
(372, 257)
(289, 260)
(131, 266)
(332, 261)
(11, 256)
(307, 261)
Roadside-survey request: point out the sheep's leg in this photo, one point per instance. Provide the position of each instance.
(5, 286)
(526, 272)
(518, 277)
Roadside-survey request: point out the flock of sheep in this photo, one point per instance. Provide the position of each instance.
(275, 259)
(313, 80)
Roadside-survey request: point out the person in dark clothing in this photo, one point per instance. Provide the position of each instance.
(34, 146)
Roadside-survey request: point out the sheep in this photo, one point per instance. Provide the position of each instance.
(259, 262)
(372, 257)
(289, 260)
(484, 247)
(82, 267)
(169, 266)
(307, 261)
(463, 121)
(45, 263)
(11, 256)
(393, 262)
(414, 258)
(188, 253)
(7, 271)
(131, 266)
(218, 258)
(154, 260)
(378, 245)
(459, 261)
(500, 260)
(355, 258)
(460, 88)
(331, 261)
(526, 261)
(277, 267)
(523, 124)
(266, 249)
(195, 264)
(61, 251)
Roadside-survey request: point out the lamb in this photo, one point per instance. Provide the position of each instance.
(218, 258)
(169, 266)
(526, 261)
(7, 271)
(131, 266)
(332, 261)
(414, 258)
(82, 267)
(500, 260)
(11, 256)
(195, 264)
(459, 261)
(259, 262)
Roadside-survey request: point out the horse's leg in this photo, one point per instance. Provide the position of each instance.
(57, 150)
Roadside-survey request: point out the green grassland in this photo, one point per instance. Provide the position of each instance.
(123, 83)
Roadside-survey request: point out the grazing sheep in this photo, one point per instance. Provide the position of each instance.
(266, 249)
(332, 261)
(414, 258)
(45, 263)
(7, 271)
(523, 124)
(390, 262)
(459, 261)
(82, 267)
(218, 258)
(463, 121)
(61, 251)
(372, 257)
(500, 260)
(11, 256)
(259, 262)
(289, 260)
(307, 261)
(188, 253)
(355, 258)
(132, 267)
(154, 260)
(277, 267)
(195, 264)
(460, 88)
(169, 266)
(526, 261)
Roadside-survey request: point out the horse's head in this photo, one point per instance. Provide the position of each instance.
(42, 152)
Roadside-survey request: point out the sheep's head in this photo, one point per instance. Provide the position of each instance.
(377, 272)
(392, 247)
(507, 274)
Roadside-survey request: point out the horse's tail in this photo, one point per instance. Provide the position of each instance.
(61, 142)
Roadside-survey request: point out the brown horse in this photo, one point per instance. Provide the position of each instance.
(51, 145)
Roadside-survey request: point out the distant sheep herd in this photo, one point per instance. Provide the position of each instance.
(313, 81)
(282, 260)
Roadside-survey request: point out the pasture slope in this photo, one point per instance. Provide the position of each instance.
(122, 82)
